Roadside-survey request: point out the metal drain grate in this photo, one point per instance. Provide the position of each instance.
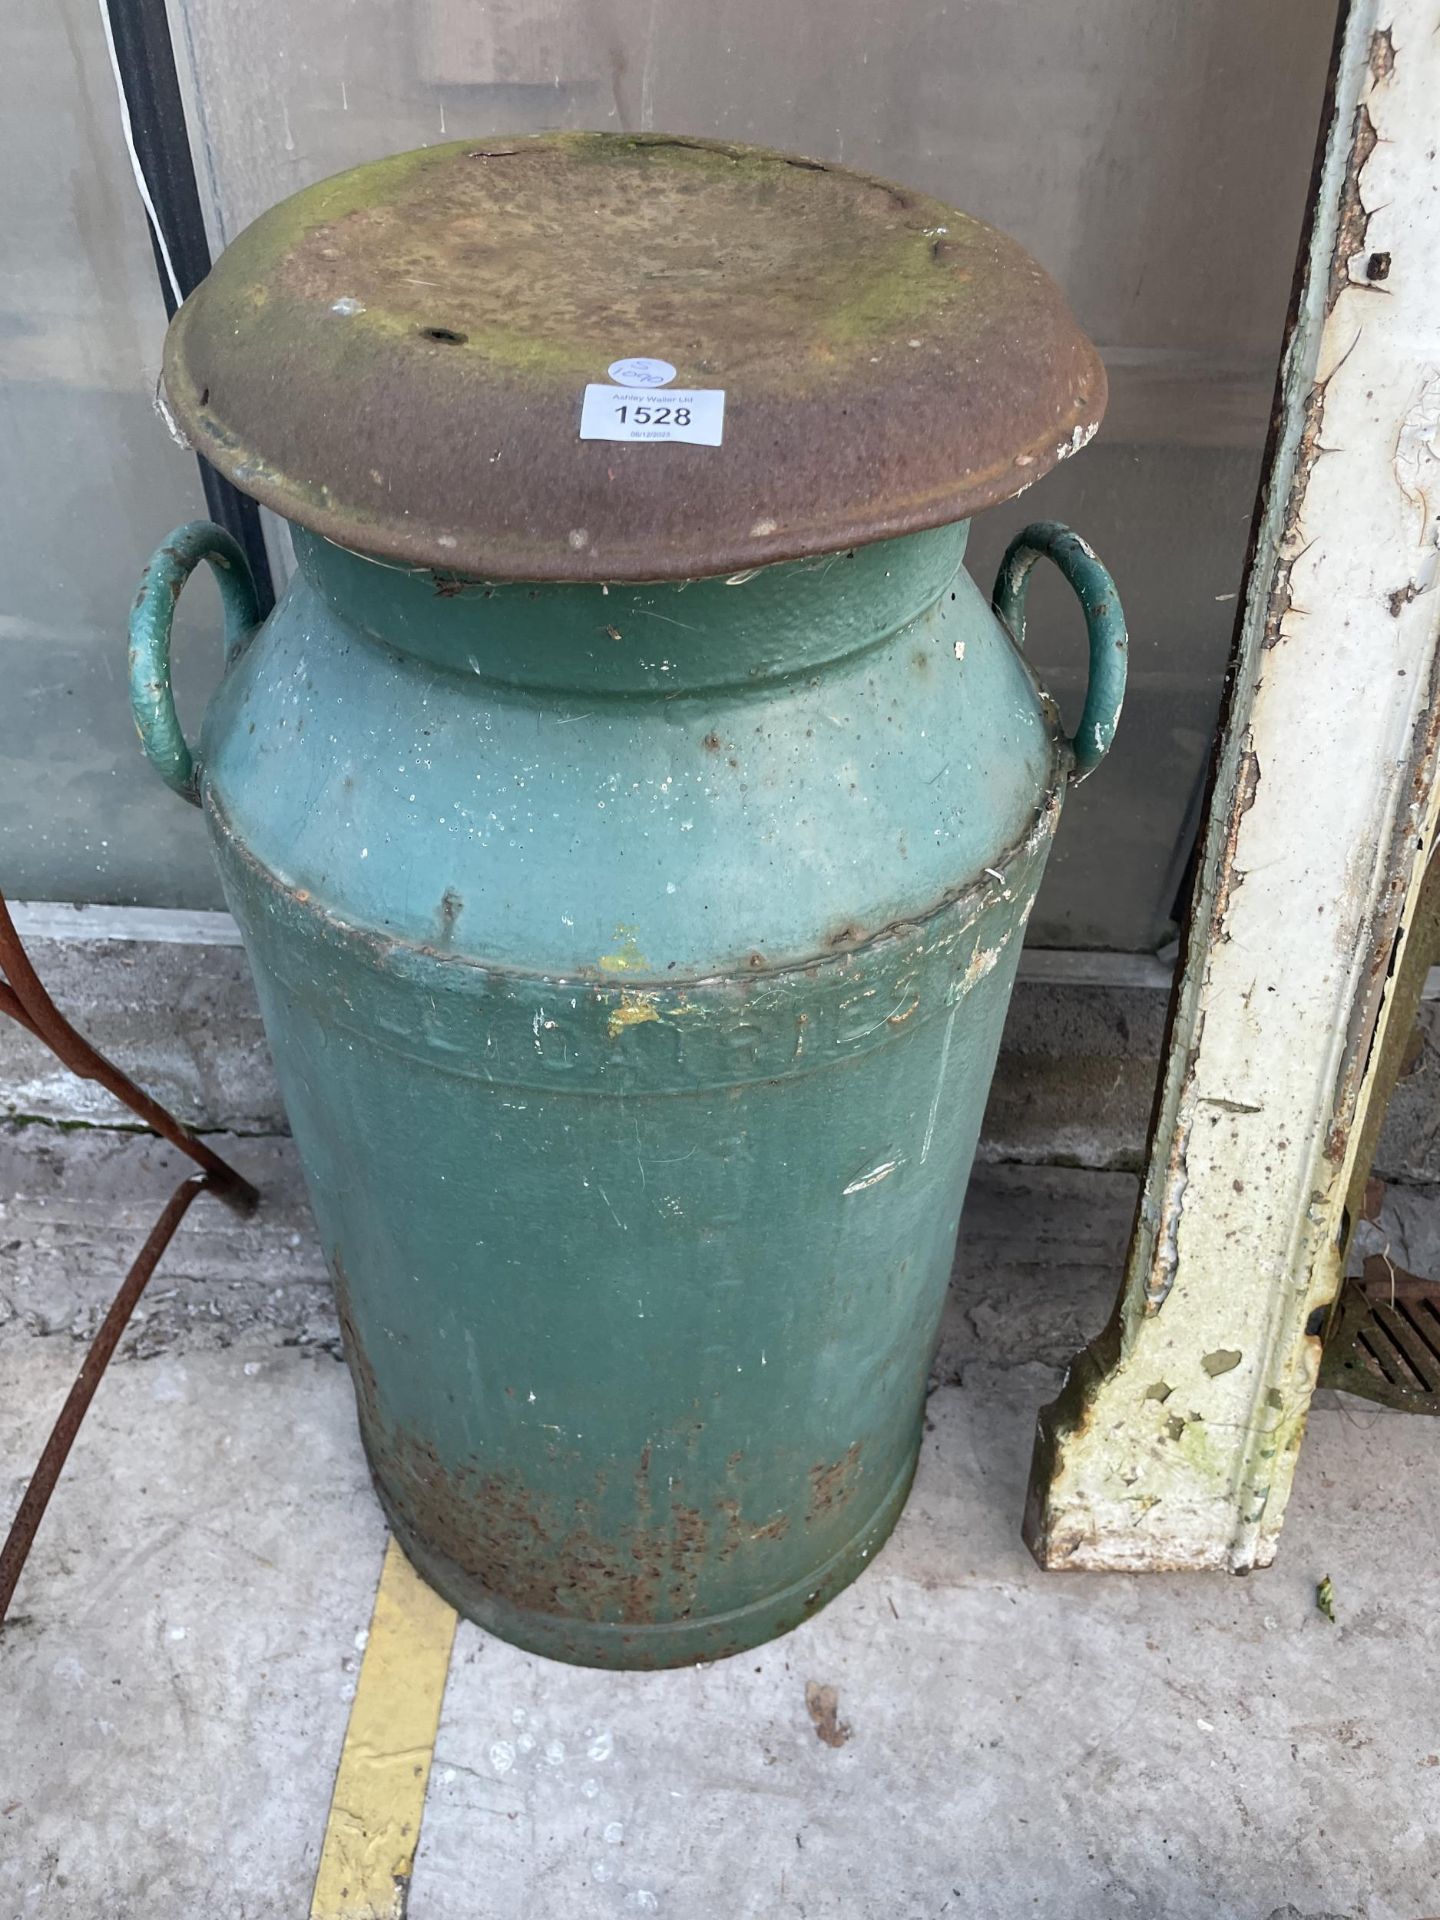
(1385, 1344)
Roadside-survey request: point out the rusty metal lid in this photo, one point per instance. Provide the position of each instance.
(397, 358)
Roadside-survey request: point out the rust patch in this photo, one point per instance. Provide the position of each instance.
(1291, 548)
(528, 1551)
(367, 1393)
(1354, 218)
(1350, 240)
(775, 1529)
(823, 1706)
(1227, 875)
(833, 1484)
(546, 1554)
(734, 1529)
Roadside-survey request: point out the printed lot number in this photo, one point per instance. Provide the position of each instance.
(642, 413)
(645, 416)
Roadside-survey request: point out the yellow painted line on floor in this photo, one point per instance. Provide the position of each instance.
(379, 1797)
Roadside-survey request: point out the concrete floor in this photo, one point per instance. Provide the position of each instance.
(177, 1679)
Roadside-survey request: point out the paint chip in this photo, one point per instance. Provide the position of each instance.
(873, 1178)
(1222, 1360)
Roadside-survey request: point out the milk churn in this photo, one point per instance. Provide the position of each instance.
(631, 810)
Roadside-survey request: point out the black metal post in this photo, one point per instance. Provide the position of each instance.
(146, 59)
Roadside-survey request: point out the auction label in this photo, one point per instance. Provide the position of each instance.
(649, 413)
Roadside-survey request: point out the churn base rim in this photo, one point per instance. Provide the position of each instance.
(624, 1647)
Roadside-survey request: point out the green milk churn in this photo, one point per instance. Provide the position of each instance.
(631, 810)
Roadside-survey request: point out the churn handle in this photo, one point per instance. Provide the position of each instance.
(151, 699)
(1109, 642)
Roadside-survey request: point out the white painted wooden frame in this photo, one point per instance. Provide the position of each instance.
(1174, 1440)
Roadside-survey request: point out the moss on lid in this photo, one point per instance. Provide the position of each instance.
(396, 357)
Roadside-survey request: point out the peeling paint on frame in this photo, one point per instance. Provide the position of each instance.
(1286, 985)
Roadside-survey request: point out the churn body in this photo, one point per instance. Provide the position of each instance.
(634, 959)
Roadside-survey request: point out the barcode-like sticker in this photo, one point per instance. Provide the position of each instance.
(653, 413)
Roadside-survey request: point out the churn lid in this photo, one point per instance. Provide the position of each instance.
(625, 356)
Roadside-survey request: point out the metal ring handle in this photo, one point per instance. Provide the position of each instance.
(1109, 642)
(151, 618)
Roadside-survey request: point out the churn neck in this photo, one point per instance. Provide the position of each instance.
(748, 628)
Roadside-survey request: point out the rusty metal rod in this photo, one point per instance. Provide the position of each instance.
(62, 1435)
(11, 1004)
(24, 999)
(27, 1002)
